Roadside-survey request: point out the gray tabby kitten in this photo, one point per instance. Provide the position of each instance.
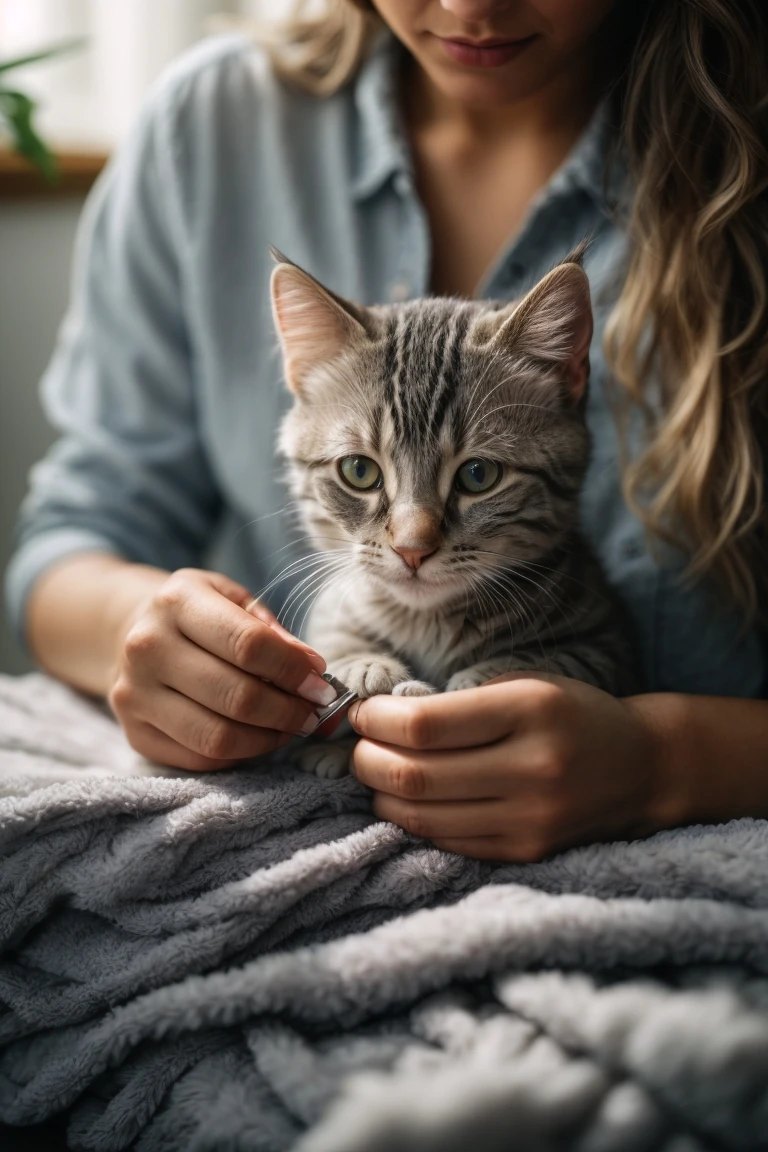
(436, 450)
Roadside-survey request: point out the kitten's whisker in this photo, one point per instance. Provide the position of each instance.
(486, 598)
(487, 574)
(539, 587)
(503, 579)
(326, 564)
(298, 595)
(291, 544)
(349, 577)
(311, 594)
(477, 415)
(295, 568)
(492, 362)
(289, 509)
(496, 603)
(526, 597)
(516, 404)
(505, 594)
(513, 563)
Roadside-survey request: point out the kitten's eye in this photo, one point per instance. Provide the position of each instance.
(360, 472)
(477, 476)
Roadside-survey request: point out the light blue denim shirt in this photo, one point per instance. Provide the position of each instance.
(166, 381)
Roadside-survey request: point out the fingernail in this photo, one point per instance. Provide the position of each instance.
(317, 690)
(315, 658)
(316, 661)
(310, 724)
(352, 714)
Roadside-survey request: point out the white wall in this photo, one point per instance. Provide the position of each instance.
(35, 256)
(90, 98)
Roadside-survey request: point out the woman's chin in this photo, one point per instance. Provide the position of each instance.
(481, 88)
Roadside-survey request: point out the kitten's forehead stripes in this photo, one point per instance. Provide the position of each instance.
(423, 362)
(391, 371)
(453, 336)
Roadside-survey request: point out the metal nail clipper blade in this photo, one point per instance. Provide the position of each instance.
(340, 706)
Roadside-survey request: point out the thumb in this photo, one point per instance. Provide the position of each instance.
(547, 677)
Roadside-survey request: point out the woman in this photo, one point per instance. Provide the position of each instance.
(394, 152)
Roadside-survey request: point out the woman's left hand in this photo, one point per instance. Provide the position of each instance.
(516, 770)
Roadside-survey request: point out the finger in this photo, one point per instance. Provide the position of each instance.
(448, 720)
(233, 591)
(261, 612)
(161, 749)
(454, 818)
(203, 731)
(508, 677)
(480, 774)
(497, 848)
(224, 689)
(236, 636)
(240, 595)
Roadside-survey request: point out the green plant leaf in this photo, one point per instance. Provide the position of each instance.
(18, 111)
(51, 53)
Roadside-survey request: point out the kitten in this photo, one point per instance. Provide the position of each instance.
(436, 450)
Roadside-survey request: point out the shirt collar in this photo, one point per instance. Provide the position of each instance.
(585, 166)
(383, 149)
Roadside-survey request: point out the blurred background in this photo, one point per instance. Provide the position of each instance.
(87, 102)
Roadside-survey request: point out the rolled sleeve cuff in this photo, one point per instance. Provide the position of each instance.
(32, 559)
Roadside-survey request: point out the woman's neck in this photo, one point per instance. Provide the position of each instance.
(478, 170)
(560, 109)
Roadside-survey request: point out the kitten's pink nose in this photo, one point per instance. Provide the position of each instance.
(415, 557)
(414, 533)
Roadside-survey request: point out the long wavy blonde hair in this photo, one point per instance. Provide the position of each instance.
(691, 109)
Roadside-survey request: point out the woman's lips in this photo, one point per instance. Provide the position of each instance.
(492, 54)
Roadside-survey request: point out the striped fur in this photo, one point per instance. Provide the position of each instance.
(421, 388)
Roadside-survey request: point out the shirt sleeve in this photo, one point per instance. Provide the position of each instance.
(129, 474)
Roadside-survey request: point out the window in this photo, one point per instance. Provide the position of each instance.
(89, 99)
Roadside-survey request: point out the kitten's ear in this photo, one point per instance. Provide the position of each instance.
(313, 324)
(554, 323)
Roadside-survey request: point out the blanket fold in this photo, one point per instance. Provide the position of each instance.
(250, 960)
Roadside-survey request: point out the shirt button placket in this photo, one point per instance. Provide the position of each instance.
(413, 256)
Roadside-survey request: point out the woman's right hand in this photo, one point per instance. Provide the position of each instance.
(201, 683)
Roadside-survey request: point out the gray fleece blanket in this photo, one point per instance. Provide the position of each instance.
(250, 961)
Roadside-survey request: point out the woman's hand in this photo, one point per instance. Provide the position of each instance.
(516, 770)
(201, 683)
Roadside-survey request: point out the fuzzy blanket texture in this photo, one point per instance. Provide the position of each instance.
(250, 961)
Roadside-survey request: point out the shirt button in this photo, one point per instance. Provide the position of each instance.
(399, 291)
(632, 550)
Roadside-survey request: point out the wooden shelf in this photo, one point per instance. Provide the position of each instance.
(20, 181)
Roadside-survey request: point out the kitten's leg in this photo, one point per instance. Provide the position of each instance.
(478, 674)
(351, 651)
(414, 688)
(375, 673)
(329, 760)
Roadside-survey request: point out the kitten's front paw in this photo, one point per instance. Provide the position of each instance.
(328, 761)
(414, 688)
(468, 678)
(371, 675)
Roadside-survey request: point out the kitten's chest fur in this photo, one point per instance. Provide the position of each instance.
(433, 643)
(570, 628)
